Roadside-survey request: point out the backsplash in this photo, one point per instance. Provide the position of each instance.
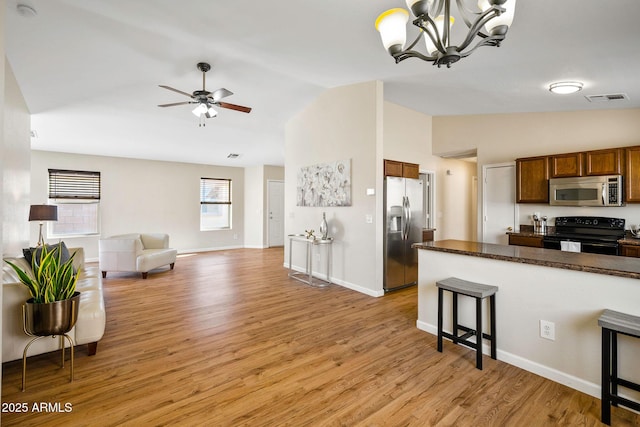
(630, 213)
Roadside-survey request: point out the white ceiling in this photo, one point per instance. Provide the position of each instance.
(90, 69)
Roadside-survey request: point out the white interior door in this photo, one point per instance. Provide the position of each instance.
(276, 213)
(499, 203)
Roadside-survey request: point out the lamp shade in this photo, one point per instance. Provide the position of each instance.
(43, 213)
(505, 19)
(392, 26)
(431, 48)
(418, 7)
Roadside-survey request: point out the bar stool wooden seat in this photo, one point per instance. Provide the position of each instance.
(479, 292)
(614, 323)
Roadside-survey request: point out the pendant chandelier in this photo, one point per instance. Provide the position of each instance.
(488, 26)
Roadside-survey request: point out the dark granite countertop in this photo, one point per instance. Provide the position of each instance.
(628, 240)
(525, 234)
(591, 263)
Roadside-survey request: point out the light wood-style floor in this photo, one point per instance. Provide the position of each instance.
(226, 339)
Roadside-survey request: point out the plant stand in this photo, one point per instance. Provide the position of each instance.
(24, 357)
(53, 324)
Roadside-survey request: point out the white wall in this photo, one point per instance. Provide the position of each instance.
(572, 300)
(502, 138)
(147, 196)
(455, 217)
(340, 124)
(353, 122)
(253, 202)
(408, 138)
(2, 102)
(16, 159)
(256, 203)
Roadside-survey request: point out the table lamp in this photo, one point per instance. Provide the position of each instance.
(43, 213)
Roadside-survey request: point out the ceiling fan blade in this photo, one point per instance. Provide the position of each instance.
(175, 103)
(234, 107)
(176, 90)
(218, 94)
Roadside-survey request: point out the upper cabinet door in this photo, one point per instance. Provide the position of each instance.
(532, 180)
(405, 170)
(565, 165)
(604, 162)
(392, 168)
(411, 170)
(632, 175)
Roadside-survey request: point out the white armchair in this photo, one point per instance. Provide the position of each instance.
(136, 252)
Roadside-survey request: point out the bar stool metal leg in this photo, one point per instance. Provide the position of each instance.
(454, 304)
(479, 333)
(605, 412)
(440, 295)
(492, 315)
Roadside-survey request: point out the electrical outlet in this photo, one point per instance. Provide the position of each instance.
(548, 330)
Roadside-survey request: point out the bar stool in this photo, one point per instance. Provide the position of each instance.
(479, 292)
(614, 323)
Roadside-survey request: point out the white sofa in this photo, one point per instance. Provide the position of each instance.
(136, 253)
(91, 322)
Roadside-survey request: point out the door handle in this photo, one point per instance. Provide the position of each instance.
(509, 228)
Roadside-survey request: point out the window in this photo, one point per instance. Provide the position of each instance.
(77, 195)
(215, 204)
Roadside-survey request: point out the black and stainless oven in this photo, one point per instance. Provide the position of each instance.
(598, 235)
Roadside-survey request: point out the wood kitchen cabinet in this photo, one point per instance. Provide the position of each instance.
(531, 241)
(532, 180)
(567, 165)
(604, 162)
(632, 175)
(630, 250)
(401, 169)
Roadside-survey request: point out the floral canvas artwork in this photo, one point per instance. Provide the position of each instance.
(325, 184)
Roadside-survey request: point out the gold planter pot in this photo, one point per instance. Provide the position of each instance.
(54, 318)
(49, 319)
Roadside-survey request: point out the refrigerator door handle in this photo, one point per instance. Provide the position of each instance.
(408, 224)
(407, 217)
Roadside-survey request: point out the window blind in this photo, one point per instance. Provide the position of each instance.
(71, 184)
(215, 191)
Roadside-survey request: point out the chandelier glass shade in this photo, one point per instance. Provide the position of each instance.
(487, 26)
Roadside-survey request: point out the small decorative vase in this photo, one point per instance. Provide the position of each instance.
(324, 227)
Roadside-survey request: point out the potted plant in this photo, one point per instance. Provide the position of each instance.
(53, 306)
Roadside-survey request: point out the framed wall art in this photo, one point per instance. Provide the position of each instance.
(325, 184)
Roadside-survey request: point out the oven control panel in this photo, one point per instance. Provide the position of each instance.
(590, 222)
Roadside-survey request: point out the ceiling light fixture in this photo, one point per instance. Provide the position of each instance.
(495, 16)
(565, 88)
(202, 111)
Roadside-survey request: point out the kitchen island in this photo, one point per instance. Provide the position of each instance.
(569, 289)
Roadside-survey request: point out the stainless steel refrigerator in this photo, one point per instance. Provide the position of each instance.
(403, 221)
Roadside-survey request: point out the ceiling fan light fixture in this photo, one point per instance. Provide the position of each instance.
(565, 88)
(200, 110)
(211, 113)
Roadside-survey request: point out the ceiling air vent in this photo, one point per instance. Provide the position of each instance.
(233, 156)
(607, 98)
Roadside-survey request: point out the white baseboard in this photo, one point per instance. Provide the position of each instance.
(531, 366)
(344, 284)
(217, 248)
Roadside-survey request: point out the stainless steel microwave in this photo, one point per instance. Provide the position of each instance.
(586, 191)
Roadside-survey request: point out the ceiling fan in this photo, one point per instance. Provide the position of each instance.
(205, 99)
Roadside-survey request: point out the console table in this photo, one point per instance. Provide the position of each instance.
(307, 275)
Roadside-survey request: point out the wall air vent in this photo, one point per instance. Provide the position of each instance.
(233, 156)
(607, 98)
